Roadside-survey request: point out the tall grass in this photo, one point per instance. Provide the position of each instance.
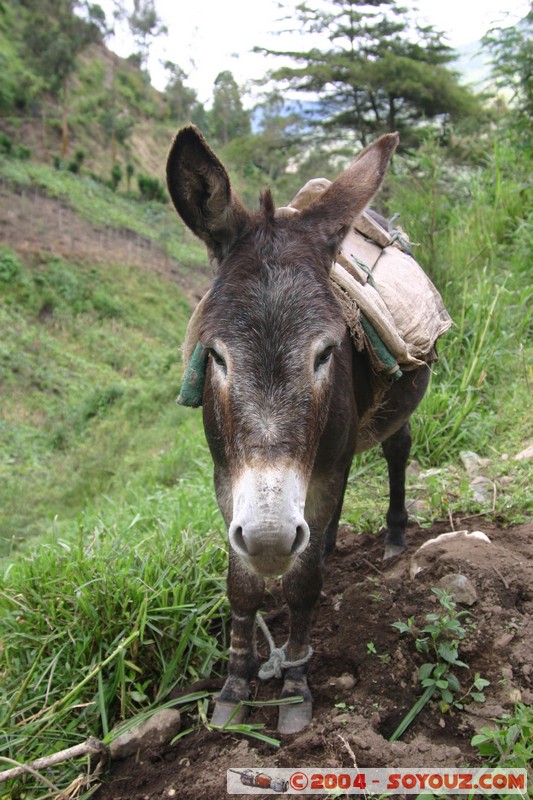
(103, 624)
(474, 229)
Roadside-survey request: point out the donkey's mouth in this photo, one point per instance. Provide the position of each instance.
(268, 564)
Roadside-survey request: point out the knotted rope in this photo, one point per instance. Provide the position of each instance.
(277, 660)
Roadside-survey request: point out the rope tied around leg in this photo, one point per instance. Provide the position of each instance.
(277, 660)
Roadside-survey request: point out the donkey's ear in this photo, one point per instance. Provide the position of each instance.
(332, 214)
(201, 192)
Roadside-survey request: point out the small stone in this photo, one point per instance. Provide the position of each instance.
(423, 747)
(155, 731)
(361, 743)
(460, 587)
(473, 463)
(398, 748)
(503, 641)
(527, 453)
(344, 682)
(414, 468)
(482, 488)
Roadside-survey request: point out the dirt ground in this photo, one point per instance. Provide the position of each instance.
(362, 692)
(31, 222)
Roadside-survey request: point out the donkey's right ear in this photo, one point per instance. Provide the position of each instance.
(201, 192)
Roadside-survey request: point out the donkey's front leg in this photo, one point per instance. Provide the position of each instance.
(301, 588)
(245, 591)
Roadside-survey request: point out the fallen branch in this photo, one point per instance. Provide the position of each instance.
(91, 747)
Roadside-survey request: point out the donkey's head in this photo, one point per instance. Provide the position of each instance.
(277, 342)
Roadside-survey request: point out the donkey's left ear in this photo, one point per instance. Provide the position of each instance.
(201, 192)
(333, 212)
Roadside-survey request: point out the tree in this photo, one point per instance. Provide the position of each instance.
(182, 99)
(512, 67)
(228, 116)
(145, 24)
(55, 35)
(377, 72)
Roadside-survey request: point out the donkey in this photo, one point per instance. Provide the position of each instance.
(284, 394)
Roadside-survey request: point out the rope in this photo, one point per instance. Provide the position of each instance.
(277, 660)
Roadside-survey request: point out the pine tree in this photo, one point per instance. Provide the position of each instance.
(376, 72)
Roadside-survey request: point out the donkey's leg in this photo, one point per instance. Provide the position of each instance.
(396, 450)
(245, 591)
(330, 536)
(301, 588)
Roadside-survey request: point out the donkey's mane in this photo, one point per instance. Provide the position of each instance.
(266, 205)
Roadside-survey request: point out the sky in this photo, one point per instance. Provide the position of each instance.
(206, 37)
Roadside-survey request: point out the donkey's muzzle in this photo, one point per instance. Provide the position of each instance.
(268, 530)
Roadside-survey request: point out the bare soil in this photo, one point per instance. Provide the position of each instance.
(33, 223)
(360, 696)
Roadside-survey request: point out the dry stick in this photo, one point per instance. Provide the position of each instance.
(352, 754)
(91, 747)
(497, 571)
(13, 773)
(370, 564)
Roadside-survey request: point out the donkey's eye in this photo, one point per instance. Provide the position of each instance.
(324, 356)
(217, 358)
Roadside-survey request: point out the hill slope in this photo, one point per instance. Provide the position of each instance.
(95, 294)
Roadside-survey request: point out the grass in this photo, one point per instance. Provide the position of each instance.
(112, 581)
(88, 388)
(94, 202)
(101, 626)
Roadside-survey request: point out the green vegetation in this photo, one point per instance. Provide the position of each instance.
(444, 631)
(510, 743)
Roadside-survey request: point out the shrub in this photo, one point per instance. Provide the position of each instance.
(151, 189)
(6, 145)
(116, 176)
(9, 266)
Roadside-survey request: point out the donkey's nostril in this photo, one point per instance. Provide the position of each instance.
(237, 540)
(301, 540)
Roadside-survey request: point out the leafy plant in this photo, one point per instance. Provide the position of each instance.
(440, 639)
(510, 743)
(9, 265)
(151, 189)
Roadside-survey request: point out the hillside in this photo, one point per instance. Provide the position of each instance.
(95, 293)
(113, 114)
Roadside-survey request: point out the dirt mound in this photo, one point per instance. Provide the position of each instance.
(364, 673)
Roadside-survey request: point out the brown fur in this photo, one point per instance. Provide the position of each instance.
(274, 396)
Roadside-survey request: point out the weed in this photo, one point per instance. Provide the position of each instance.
(440, 639)
(9, 265)
(510, 743)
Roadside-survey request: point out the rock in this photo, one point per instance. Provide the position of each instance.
(344, 682)
(473, 463)
(155, 731)
(527, 453)
(361, 742)
(434, 548)
(460, 587)
(503, 641)
(482, 488)
(398, 748)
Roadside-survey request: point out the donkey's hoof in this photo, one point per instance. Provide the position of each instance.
(294, 718)
(392, 550)
(226, 713)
